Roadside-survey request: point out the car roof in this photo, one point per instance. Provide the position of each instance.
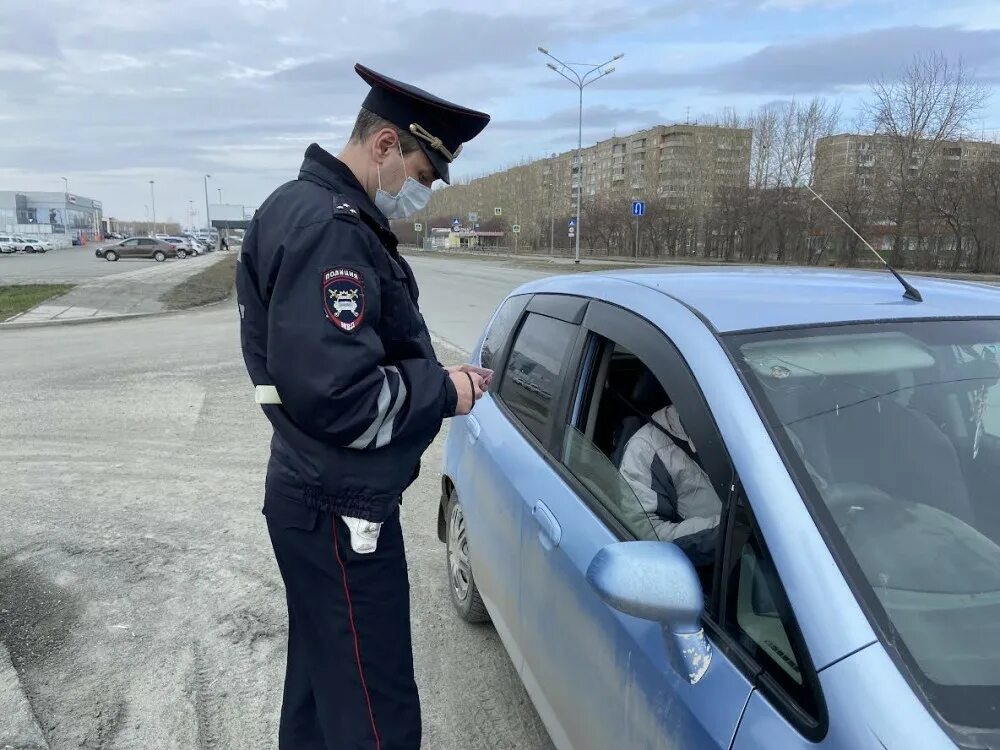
(746, 298)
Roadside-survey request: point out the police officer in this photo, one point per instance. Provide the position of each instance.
(344, 369)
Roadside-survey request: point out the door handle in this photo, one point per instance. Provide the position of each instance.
(550, 532)
(472, 428)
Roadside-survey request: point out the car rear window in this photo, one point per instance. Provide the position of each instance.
(500, 329)
(534, 371)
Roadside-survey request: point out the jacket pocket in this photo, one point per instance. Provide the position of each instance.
(399, 314)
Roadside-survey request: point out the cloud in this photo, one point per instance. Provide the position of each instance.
(825, 64)
(115, 93)
(597, 116)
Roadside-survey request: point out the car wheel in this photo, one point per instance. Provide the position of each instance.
(181, 254)
(29, 249)
(159, 256)
(110, 255)
(461, 583)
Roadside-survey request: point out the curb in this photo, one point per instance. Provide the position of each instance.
(108, 319)
(19, 728)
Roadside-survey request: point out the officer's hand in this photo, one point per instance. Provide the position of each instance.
(484, 372)
(470, 387)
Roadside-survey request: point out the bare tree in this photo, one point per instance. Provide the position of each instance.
(930, 103)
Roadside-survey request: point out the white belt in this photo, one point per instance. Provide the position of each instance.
(266, 394)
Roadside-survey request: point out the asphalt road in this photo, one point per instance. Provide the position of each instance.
(139, 599)
(67, 265)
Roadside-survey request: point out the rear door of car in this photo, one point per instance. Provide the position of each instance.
(518, 423)
(483, 457)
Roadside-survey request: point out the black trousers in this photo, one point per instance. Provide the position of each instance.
(349, 677)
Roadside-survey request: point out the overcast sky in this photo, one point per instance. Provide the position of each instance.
(115, 93)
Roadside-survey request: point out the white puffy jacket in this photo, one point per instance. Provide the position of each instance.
(672, 488)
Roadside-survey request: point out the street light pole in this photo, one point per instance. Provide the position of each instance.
(208, 217)
(152, 200)
(566, 70)
(220, 196)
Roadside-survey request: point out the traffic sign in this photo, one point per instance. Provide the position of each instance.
(638, 208)
(572, 223)
(497, 211)
(418, 227)
(473, 217)
(516, 228)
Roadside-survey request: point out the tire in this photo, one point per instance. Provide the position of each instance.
(110, 256)
(29, 249)
(159, 256)
(461, 583)
(182, 254)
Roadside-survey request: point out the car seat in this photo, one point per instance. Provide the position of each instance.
(647, 397)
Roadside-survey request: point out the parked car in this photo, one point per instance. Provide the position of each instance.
(138, 247)
(197, 246)
(7, 244)
(30, 244)
(182, 245)
(848, 596)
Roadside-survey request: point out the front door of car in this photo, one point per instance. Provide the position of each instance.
(602, 678)
(130, 249)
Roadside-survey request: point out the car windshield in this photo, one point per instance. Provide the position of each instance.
(894, 432)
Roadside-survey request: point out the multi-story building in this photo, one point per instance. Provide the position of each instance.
(847, 162)
(683, 164)
(57, 213)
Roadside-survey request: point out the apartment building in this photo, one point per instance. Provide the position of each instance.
(683, 164)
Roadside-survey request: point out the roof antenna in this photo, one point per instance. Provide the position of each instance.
(910, 291)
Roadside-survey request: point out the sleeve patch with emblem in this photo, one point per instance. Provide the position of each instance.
(344, 298)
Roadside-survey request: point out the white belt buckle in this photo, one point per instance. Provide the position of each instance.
(364, 534)
(266, 394)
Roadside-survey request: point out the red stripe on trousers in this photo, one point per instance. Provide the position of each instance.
(354, 632)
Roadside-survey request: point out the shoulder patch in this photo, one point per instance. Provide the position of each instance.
(343, 209)
(344, 298)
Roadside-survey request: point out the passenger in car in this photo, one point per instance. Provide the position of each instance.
(660, 466)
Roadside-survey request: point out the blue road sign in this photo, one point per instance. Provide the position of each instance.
(572, 222)
(638, 208)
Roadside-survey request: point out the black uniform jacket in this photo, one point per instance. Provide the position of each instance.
(331, 329)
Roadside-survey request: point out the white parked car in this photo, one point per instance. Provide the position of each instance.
(7, 244)
(182, 245)
(198, 246)
(31, 244)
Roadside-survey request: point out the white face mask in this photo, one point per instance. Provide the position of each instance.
(411, 198)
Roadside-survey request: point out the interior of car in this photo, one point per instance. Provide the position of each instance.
(624, 396)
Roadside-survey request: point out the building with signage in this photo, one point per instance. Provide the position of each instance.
(224, 216)
(65, 215)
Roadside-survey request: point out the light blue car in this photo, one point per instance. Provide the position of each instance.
(846, 592)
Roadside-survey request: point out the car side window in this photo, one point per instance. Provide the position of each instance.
(758, 616)
(626, 443)
(130, 243)
(534, 371)
(500, 329)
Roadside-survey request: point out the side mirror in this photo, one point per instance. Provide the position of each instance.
(656, 581)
